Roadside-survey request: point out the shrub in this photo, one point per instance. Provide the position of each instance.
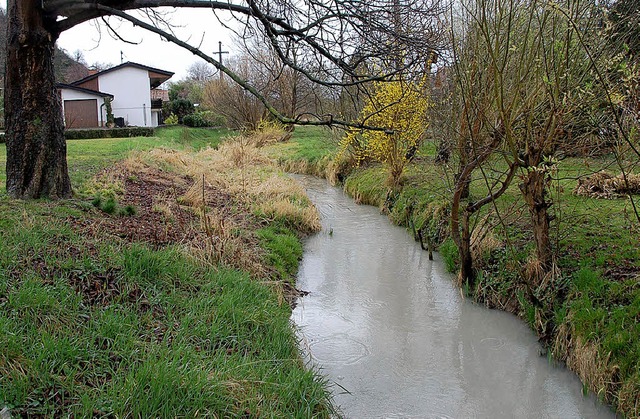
(180, 108)
(400, 107)
(87, 134)
(171, 119)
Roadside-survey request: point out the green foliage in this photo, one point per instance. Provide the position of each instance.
(186, 89)
(96, 327)
(129, 210)
(109, 111)
(172, 119)
(284, 250)
(367, 186)
(97, 201)
(110, 206)
(178, 107)
(86, 134)
(450, 255)
(195, 138)
(202, 119)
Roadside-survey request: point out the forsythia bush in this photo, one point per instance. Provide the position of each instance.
(400, 107)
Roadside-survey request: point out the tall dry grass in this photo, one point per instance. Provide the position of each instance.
(249, 181)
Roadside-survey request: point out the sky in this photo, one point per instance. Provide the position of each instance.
(197, 27)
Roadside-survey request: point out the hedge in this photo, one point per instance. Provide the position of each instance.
(87, 134)
(91, 133)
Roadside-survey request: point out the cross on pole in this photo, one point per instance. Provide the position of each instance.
(220, 52)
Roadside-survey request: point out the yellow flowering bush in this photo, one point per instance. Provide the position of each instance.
(399, 108)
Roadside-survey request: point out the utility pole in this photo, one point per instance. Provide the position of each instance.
(220, 52)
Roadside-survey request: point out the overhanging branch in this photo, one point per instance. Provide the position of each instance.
(231, 74)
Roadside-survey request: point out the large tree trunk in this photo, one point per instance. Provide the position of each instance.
(461, 234)
(534, 190)
(36, 148)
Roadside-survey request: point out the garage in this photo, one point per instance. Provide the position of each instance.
(81, 113)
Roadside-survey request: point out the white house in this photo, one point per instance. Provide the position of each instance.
(129, 86)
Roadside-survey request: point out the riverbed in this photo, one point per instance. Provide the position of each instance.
(395, 338)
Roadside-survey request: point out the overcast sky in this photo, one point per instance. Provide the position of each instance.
(198, 27)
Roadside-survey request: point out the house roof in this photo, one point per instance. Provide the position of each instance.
(82, 89)
(156, 76)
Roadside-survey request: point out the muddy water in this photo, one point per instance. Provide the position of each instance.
(394, 337)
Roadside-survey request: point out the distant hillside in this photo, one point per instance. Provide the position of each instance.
(66, 67)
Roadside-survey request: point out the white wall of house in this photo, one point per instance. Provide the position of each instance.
(70, 94)
(155, 117)
(132, 95)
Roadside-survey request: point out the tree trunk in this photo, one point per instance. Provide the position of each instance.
(36, 148)
(467, 272)
(534, 190)
(461, 235)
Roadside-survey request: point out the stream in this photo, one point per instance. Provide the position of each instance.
(394, 338)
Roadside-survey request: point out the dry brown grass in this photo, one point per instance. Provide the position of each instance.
(483, 241)
(302, 167)
(223, 246)
(323, 168)
(629, 398)
(228, 184)
(608, 186)
(270, 132)
(595, 371)
(302, 218)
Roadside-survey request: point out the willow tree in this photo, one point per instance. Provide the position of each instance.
(339, 34)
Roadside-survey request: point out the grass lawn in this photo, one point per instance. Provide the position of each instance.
(95, 323)
(87, 157)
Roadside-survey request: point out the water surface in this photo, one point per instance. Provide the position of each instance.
(391, 332)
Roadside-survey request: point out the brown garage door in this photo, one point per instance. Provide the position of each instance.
(81, 113)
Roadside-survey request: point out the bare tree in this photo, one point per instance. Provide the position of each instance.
(36, 150)
(521, 71)
(200, 72)
(241, 109)
(290, 92)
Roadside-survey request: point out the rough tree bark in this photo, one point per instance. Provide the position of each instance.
(533, 188)
(36, 148)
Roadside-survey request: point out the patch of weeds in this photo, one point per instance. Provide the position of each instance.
(449, 252)
(110, 206)
(129, 210)
(528, 310)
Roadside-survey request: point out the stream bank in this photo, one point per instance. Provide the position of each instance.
(593, 325)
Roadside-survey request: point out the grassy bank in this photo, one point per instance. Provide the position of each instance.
(160, 291)
(594, 318)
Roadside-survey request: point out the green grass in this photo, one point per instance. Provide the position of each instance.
(95, 327)
(284, 250)
(313, 147)
(87, 157)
